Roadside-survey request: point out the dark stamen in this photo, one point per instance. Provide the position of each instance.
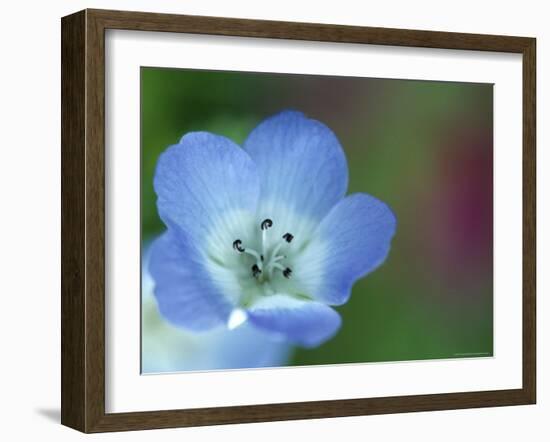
(288, 237)
(262, 257)
(287, 272)
(266, 224)
(237, 245)
(255, 270)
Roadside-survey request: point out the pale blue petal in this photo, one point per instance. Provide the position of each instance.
(166, 348)
(351, 241)
(301, 164)
(246, 347)
(202, 182)
(302, 322)
(185, 291)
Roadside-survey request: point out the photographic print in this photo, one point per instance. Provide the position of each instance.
(300, 220)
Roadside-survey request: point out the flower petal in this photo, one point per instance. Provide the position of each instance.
(303, 322)
(202, 181)
(186, 294)
(301, 164)
(351, 241)
(245, 347)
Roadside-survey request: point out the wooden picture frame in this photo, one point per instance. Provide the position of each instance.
(83, 220)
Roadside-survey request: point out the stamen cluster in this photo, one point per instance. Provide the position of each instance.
(266, 261)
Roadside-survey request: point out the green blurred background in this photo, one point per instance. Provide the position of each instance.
(424, 147)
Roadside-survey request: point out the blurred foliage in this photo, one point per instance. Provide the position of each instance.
(395, 134)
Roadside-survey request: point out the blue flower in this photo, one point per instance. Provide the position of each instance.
(264, 233)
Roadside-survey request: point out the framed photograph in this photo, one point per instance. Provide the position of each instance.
(266, 220)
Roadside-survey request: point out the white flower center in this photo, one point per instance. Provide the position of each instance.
(269, 259)
(249, 259)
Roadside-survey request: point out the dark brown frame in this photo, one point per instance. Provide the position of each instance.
(83, 218)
